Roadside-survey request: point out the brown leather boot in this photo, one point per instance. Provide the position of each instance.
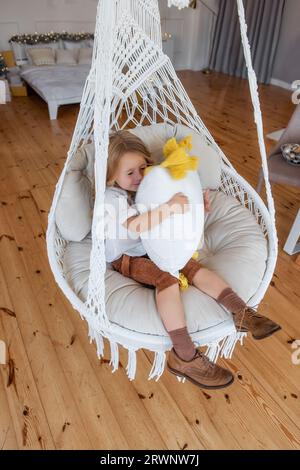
(200, 371)
(248, 319)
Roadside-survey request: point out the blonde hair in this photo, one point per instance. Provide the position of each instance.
(121, 142)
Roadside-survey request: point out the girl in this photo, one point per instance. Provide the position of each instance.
(127, 159)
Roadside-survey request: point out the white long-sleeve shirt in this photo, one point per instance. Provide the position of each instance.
(118, 239)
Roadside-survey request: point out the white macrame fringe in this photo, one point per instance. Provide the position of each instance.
(114, 355)
(213, 351)
(91, 333)
(100, 345)
(131, 365)
(158, 366)
(229, 344)
(97, 337)
(225, 347)
(219, 348)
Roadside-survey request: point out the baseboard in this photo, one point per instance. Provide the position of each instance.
(281, 84)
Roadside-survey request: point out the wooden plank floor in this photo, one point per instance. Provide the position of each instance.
(54, 393)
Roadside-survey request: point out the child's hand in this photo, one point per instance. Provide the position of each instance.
(179, 203)
(207, 206)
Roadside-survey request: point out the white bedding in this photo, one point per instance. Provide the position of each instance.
(56, 82)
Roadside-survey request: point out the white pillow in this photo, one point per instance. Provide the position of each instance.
(19, 52)
(43, 56)
(39, 45)
(73, 212)
(74, 207)
(64, 56)
(171, 244)
(70, 45)
(85, 55)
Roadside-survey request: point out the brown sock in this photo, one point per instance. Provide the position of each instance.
(230, 300)
(182, 343)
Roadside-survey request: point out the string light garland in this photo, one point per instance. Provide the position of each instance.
(51, 37)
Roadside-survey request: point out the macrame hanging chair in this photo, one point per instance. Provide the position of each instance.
(132, 83)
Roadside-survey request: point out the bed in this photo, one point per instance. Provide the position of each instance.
(50, 83)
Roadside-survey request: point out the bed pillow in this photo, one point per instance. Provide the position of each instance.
(73, 212)
(85, 56)
(39, 45)
(71, 45)
(66, 57)
(43, 56)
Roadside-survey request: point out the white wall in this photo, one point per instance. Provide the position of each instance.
(192, 32)
(191, 29)
(28, 16)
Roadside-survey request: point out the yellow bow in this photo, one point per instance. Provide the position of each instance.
(177, 160)
(183, 282)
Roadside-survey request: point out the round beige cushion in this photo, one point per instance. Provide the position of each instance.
(234, 247)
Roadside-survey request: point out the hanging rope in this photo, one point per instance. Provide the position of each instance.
(257, 112)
